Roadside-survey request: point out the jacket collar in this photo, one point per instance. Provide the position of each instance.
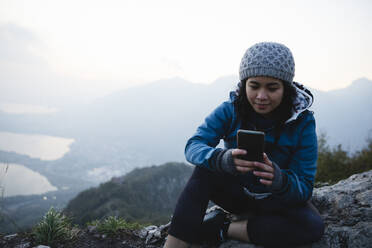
(303, 101)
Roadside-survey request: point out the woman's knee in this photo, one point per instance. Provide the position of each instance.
(196, 193)
(313, 226)
(205, 179)
(317, 228)
(191, 206)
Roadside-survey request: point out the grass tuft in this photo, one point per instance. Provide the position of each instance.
(112, 225)
(55, 228)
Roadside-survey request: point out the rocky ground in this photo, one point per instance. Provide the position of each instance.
(85, 239)
(346, 208)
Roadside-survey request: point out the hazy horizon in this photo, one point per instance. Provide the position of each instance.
(21, 108)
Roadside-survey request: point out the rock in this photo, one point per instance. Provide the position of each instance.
(349, 201)
(346, 208)
(10, 236)
(153, 234)
(92, 229)
(24, 245)
(365, 198)
(142, 233)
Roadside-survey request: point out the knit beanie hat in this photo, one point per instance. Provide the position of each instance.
(268, 59)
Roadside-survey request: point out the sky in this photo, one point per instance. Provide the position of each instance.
(53, 52)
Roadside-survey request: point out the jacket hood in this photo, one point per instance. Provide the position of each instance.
(303, 101)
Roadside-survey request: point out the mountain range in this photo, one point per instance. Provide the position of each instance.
(150, 124)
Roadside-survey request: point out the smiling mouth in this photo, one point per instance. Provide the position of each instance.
(261, 106)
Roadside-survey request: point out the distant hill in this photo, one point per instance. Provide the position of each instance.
(345, 114)
(146, 195)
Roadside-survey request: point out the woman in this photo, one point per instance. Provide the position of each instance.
(276, 191)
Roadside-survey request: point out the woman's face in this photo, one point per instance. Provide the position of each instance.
(264, 94)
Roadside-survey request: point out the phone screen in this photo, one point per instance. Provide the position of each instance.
(253, 142)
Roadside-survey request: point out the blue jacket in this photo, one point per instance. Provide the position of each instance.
(295, 152)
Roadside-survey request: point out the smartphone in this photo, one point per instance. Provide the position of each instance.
(253, 142)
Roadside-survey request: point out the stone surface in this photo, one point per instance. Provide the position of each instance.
(153, 234)
(10, 236)
(92, 229)
(24, 245)
(346, 208)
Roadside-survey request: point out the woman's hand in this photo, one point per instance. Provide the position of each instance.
(266, 168)
(269, 173)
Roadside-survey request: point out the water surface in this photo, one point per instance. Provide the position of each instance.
(14, 108)
(36, 146)
(16, 179)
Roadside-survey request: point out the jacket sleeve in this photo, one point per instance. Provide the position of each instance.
(201, 146)
(298, 186)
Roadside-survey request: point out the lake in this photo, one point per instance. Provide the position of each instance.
(14, 108)
(35, 146)
(16, 179)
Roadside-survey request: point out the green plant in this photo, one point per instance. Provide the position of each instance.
(112, 225)
(335, 164)
(54, 228)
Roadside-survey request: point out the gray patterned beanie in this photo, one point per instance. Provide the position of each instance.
(268, 59)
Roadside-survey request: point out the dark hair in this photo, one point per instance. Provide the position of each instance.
(282, 113)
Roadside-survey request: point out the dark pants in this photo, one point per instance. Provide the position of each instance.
(274, 223)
